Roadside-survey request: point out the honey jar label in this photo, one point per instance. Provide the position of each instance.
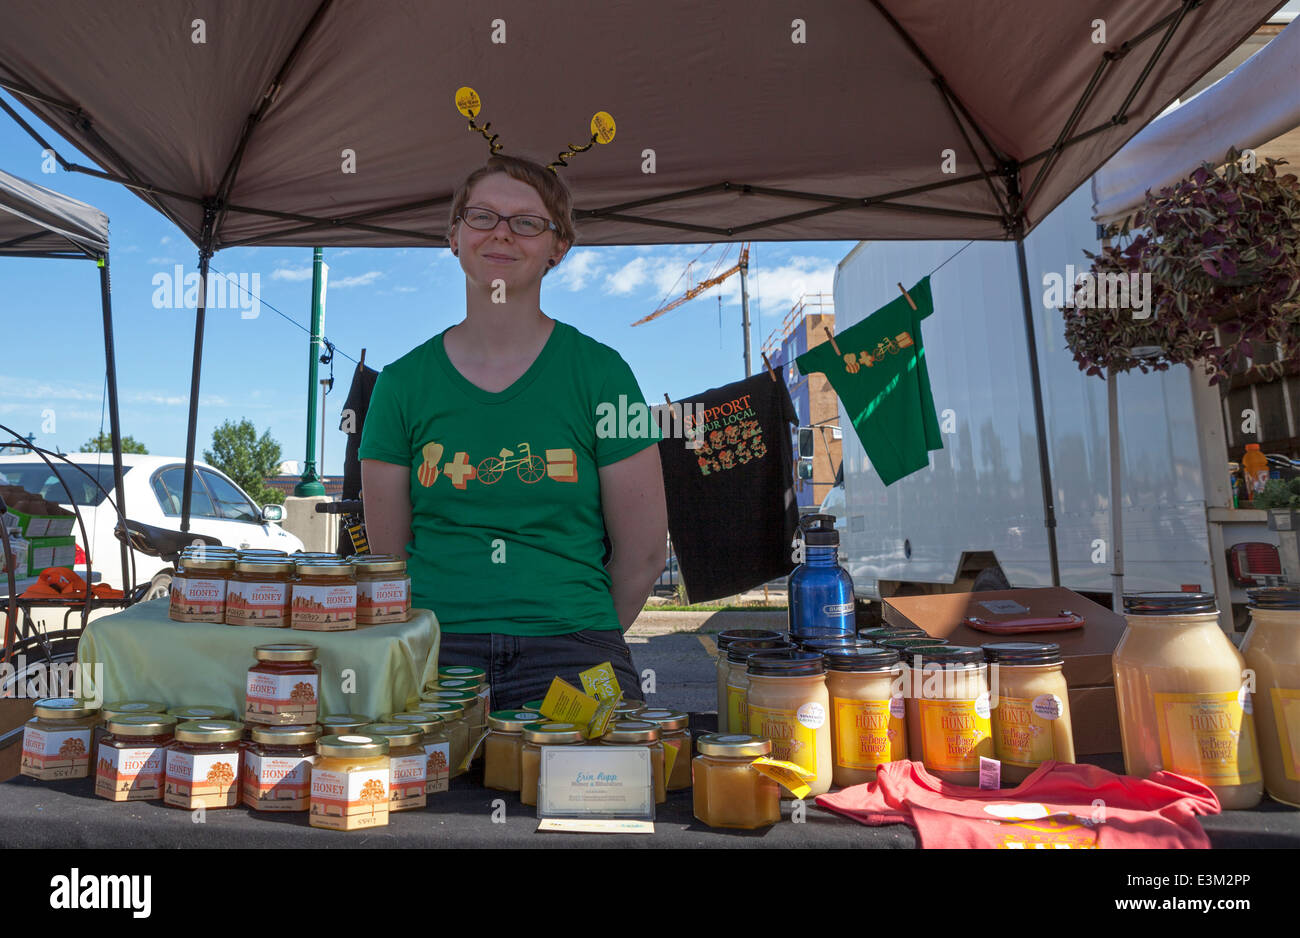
(277, 783)
(1022, 736)
(1286, 713)
(437, 769)
(134, 774)
(281, 698)
(737, 707)
(195, 600)
(257, 603)
(58, 754)
(210, 777)
(325, 608)
(955, 734)
(672, 752)
(792, 739)
(348, 800)
(1208, 737)
(407, 785)
(867, 733)
(383, 600)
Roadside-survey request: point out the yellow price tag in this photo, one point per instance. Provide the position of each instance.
(468, 101)
(602, 126)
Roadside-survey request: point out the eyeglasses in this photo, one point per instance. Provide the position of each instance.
(528, 226)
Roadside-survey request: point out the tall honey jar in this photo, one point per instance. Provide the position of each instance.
(283, 685)
(407, 763)
(725, 640)
(789, 705)
(536, 736)
(203, 765)
(1272, 652)
(504, 746)
(257, 592)
(277, 767)
(437, 749)
(675, 733)
(949, 710)
(350, 783)
(56, 740)
(198, 591)
(383, 589)
(132, 756)
(728, 790)
(737, 680)
(1031, 710)
(324, 596)
(868, 722)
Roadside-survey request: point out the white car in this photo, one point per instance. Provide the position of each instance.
(218, 507)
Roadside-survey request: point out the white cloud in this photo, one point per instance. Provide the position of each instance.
(361, 280)
(291, 273)
(162, 260)
(628, 277)
(405, 289)
(165, 239)
(577, 269)
(48, 391)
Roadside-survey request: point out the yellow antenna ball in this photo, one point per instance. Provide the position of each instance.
(602, 127)
(468, 102)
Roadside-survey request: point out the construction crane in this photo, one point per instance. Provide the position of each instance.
(741, 267)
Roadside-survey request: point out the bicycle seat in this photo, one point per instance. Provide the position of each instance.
(159, 542)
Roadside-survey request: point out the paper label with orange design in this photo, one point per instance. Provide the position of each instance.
(61, 754)
(407, 782)
(132, 774)
(437, 768)
(257, 603)
(1021, 736)
(867, 733)
(793, 738)
(955, 733)
(793, 778)
(281, 698)
(1208, 737)
(212, 778)
(347, 800)
(277, 783)
(1286, 713)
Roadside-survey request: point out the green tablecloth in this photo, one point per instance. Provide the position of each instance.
(147, 656)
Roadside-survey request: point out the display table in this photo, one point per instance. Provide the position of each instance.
(372, 671)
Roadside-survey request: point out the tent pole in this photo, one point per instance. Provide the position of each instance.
(192, 428)
(1116, 495)
(114, 420)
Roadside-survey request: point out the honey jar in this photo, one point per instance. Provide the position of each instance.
(119, 708)
(198, 590)
(283, 685)
(277, 767)
(728, 790)
(454, 725)
(1272, 651)
(738, 681)
(407, 763)
(324, 596)
(257, 592)
(350, 783)
(644, 734)
(131, 757)
(56, 740)
(383, 589)
(789, 705)
(476, 704)
(1031, 711)
(437, 750)
(868, 724)
(340, 724)
(470, 679)
(674, 732)
(203, 765)
(203, 712)
(537, 735)
(948, 711)
(503, 747)
(725, 640)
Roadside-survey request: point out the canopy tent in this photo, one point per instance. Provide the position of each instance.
(739, 121)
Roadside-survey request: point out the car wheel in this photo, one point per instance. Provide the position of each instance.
(159, 586)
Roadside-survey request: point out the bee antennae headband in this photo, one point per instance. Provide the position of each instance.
(469, 104)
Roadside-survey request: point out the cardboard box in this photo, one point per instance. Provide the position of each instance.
(32, 516)
(45, 552)
(1087, 651)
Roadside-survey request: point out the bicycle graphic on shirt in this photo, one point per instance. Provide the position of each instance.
(528, 467)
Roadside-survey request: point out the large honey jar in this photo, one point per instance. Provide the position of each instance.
(788, 704)
(1031, 710)
(868, 722)
(949, 710)
(1272, 652)
(724, 641)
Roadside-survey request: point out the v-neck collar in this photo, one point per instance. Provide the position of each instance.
(471, 390)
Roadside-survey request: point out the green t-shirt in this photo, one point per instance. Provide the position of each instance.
(506, 522)
(881, 376)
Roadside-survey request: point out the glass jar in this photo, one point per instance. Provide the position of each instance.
(56, 740)
(674, 732)
(277, 767)
(437, 749)
(118, 708)
(202, 712)
(645, 734)
(537, 735)
(350, 783)
(949, 726)
(868, 724)
(203, 765)
(724, 641)
(407, 764)
(198, 590)
(324, 596)
(257, 592)
(1272, 650)
(1183, 705)
(339, 724)
(476, 711)
(131, 757)
(788, 704)
(728, 790)
(283, 685)
(737, 681)
(454, 725)
(1031, 707)
(383, 589)
(503, 747)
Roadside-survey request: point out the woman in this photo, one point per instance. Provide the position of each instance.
(481, 461)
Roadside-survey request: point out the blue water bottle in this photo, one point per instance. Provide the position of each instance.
(821, 591)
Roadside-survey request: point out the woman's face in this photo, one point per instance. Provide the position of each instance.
(501, 254)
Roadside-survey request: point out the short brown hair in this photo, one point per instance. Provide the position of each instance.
(555, 194)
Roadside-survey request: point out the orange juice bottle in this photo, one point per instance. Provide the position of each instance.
(1255, 467)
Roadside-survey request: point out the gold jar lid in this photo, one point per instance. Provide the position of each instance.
(210, 563)
(221, 550)
(513, 721)
(143, 724)
(316, 555)
(427, 722)
(445, 709)
(632, 731)
(202, 713)
(336, 567)
(300, 734)
(286, 651)
(209, 731)
(463, 672)
(458, 684)
(397, 734)
(63, 708)
(545, 734)
(733, 745)
(448, 696)
(667, 719)
(352, 745)
(343, 722)
(378, 563)
(626, 707)
(119, 708)
(263, 565)
(261, 552)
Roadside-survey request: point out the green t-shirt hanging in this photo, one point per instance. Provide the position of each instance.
(506, 522)
(881, 376)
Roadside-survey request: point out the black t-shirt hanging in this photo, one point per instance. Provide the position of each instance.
(358, 402)
(732, 509)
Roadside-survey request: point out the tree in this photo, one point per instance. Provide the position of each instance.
(237, 451)
(104, 444)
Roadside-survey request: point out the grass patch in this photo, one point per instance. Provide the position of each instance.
(711, 607)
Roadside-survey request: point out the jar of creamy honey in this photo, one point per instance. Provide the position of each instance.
(454, 725)
(504, 746)
(728, 790)
(868, 725)
(537, 735)
(437, 750)
(1031, 710)
(277, 767)
(1272, 651)
(350, 783)
(737, 681)
(131, 757)
(407, 763)
(789, 705)
(643, 734)
(383, 589)
(257, 592)
(198, 591)
(324, 595)
(203, 765)
(283, 685)
(674, 733)
(949, 710)
(724, 641)
(1183, 704)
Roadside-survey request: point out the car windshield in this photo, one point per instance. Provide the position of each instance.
(39, 479)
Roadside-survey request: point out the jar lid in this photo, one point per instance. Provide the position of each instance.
(63, 708)
(208, 563)
(397, 733)
(945, 655)
(142, 724)
(667, 719)
(786, 662)
(378, 563)
(545, 734)
(195, 551)
(449, 696)
(513, 721)
(533, 705)
(209, 731)
(123, 707)
(733, 745)
(739, 652)
(464, 672)
(260, 552)
(352, 745)
(263, 565)
(342, 722)
(1274, 597)
(1169, 604)
(286, 651)
(822, 644)
(887, 631)
(457, 683)
(447, 710)
(726, 639)
(204, 712)
(300, 734)
(1014, 653)
(902, 644)
(860, 658)
(632, 731)
(625, 707)
(427, 722)
(335, 567)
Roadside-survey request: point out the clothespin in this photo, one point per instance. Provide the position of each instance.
(770, 370)
(830, 336)
(362, 363)
(666, 399)
(907, 296)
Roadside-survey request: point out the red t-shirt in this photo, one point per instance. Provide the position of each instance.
(1058, 806)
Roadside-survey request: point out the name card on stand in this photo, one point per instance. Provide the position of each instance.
(596, 782)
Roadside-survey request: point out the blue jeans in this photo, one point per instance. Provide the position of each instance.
(521, 667)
